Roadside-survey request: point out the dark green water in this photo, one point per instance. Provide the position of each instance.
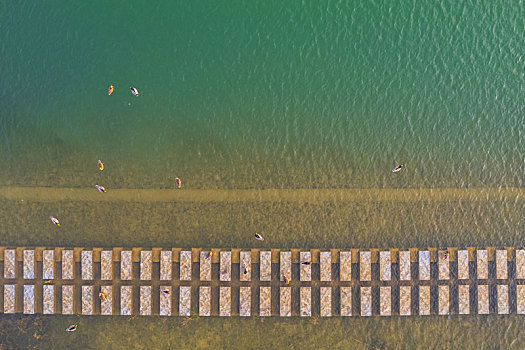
(265, 94)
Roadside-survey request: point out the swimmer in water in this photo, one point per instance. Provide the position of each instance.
(72, 328)
(100, 165)
(178, 182)
(398, 168)
(134, 91)
(110, 90)
(210, 254)
(445, 254)
(102, 296)
(101, 188)
(286, 280)
(258, 237)
(166, 291)
(54, 220)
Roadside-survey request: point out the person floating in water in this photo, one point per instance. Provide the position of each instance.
(54, 220)
(110, 90)
(134, 91)
(286, 280)
(100, 165)
(258, 237)
(101, 188)
(178, 182)
(445, 254)
(210, 254)
(398, 168)
(72, 328)
(102, 296)
(244, 270)
(166, 291)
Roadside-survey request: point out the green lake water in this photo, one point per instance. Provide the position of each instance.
(263, 95)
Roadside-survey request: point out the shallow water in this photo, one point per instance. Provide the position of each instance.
(266, 95)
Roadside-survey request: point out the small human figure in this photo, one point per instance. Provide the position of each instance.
(244, 270)
(286, 280)
(102, 296)
(72, 328)
(166, 291)
(134, 91)
(210, 254)
(101, 188)
(178, 182)
(258, 237)
(54, 220)
(445, 254)
(398, 168)
(306, 262)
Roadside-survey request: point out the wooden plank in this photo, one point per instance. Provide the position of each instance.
(9, 264)
(483, 269)
(285, 302)
(205, 266)
(345, 272)
(9, 297)
(166, 264)
(520, 299)
(463, 266)
(145, 266)
(29, 266)
(385, 266)
(503, 299)
(87, 300)
(366, 301)
(86, 265)
(48, 265)
(424, 300)
(365, 267)
(125, 298)
(204, 301)
(265, 301)
(483, 299)
(326, 301)
(29, 297)
(346, 301)
(305, 271)
(245, 301)
(185, 299)
(125, 266)
(404, 266)
(226, 266)
(48, 297)
(106, 306)
(67, 299)
(265, 265)
(326, 266)
(520, 264)
(306, 301)
(185, 266)
(225, 300)
(385, 300)
(501, 265)
(67, 265)
(145, 299)
(285, 265)
(106, 265)
(405, 300)
(424, 265)
(245, 266)
(463, 299)
(443, 302)
(444, 264)
(165, 299)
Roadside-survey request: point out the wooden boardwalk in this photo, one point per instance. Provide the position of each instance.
(258, 282)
